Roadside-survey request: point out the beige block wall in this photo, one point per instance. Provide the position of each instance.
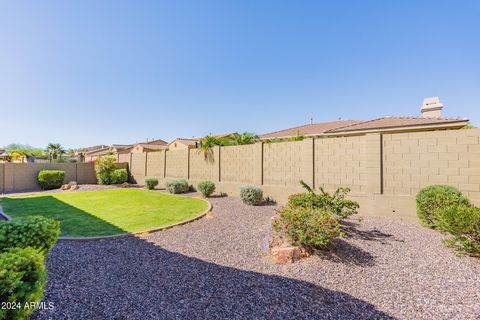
(204, 167)
(342, 162)
(177, 164)
(15, 177)
(415, 160)
(241, 164)
(286, 163)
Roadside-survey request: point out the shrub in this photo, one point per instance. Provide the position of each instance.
(307, 227)
(335, 203)
(104, 168)
(206, 188)
(50, 179)
(151, 183)
(251, 195)
(22, 280)
(177, 186)
(462, 221)
(430, 198)
(119, 176)
(36, 231)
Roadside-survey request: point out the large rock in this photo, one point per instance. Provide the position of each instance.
(287, 254)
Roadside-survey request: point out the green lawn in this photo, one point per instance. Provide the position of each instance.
(106, 212)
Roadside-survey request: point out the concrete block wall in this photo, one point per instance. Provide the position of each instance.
(16, 177)
(177, 164)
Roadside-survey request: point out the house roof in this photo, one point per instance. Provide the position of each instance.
(399, 122)
(3, 153)
(309, 129)
(152, 146)
(378, 124)
(155, 142)
(186, 141)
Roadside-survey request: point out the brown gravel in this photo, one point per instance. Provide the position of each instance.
(217, 268)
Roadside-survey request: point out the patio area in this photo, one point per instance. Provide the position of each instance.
(218, 267)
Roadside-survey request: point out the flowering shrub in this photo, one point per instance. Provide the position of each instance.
(307, 227)
(335, 203)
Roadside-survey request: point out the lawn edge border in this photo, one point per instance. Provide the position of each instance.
(131, 234)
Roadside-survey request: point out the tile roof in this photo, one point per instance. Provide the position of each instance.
(186, 141)
(309, 129)
(396, 122)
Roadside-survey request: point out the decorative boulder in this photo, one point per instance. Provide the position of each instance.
(283, 255)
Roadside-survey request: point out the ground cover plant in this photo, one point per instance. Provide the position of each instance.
(106, 212)
(206, 188)
(50, 179)
(251, 195)
(177, 186)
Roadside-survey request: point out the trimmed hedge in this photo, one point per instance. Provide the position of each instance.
(206, 188)
(151, 183)
(251, 195)
(22, 280)
(37, 232)
(119, 176)
(462, 221)
(177, 186)
(50, 179)
(431, 198)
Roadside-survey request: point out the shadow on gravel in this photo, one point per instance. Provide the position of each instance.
(342, 251)
(351, 230)
(133, 279)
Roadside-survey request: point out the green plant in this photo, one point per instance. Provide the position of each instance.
(151, 183)
(462, 221)
(50, 179)
(35, 231)
(242, 138)
(119, 176)
(430, 198)
(54, 150)
(177, 186)
(104, 168)
(307, 227)
(206, 188)
(22, 281)
(335, 203)
(251, 195)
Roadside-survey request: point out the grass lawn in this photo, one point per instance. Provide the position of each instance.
(106, 212)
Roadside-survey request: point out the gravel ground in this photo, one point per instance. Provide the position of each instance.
(217, 268)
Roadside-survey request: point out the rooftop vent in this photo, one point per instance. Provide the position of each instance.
(431, 108)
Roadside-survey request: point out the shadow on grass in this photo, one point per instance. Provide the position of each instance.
(130, 278)
(74, 222)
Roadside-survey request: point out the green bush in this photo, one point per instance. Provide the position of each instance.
(462, 221)
(22, 280)
(50, 179)
(251, 195)
(307, 227)
(104, 169)
(177, 186)
(334, 203)
(119, 176)
(36, 231)
(430, 198)
(206, 188)
(151, 183)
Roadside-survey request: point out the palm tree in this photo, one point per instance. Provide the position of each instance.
(55, 150)
(243, 138)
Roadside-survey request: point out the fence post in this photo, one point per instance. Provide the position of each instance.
(146, 163)
(164, 164)
(217, 155)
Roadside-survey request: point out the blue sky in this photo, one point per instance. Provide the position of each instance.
(100, 72)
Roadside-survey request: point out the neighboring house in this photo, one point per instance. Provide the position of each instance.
(183, 144)
(150, 146)
(114, 150)
(192, 143)
(430, 119)
(3, 155)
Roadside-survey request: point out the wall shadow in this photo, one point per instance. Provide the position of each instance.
(51, 207)
(130, 278)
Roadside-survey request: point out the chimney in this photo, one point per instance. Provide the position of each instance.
(431, 108)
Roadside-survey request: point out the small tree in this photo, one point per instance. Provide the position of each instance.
(104, 169)
(55, 150)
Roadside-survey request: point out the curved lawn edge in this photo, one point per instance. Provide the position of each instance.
(131, 234)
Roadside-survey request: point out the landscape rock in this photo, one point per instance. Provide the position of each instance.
(290, 254)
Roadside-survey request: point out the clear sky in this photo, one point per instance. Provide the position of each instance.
(92, 72)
